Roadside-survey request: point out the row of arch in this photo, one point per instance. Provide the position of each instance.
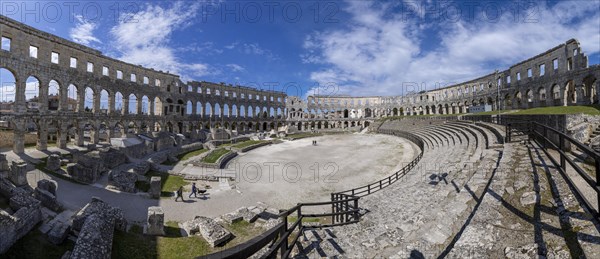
(53, 97)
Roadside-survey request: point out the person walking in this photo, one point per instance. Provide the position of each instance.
(179, 194)
(194, 191)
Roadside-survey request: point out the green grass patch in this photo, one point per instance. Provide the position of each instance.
(136, 245)
(247, 143)
(585, 109)
(35, 245)
(42, 167)
(215, 155)
(292, 219)
(188, 155)
(168, 183)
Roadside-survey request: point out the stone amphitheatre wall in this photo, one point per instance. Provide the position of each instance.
(93, 93)
(558, 77)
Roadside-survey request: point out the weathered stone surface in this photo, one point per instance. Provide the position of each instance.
(232, 217)
(528, 198)
(210, 230)
(155, 222)
(95, 238)
(524, 252)
(53, 162)
(97, 206)
(18, 173)
(47, 199)
(47, 185)
(3, 163)
(155, 187)
(58, 233)
(27, 215)
(141, 168)
(123, 180)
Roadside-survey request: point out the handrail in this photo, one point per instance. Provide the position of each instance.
(378, 185)
(344, 211)
(539, 133)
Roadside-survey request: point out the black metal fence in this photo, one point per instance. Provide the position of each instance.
(344, 211)
(551, 139)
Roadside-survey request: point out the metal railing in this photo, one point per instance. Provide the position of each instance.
(549, 139)
(376, 186)
(344, 211)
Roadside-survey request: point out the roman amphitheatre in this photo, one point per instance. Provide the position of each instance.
(94, 150)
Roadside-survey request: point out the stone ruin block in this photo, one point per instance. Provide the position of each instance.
(97, 206)
(3, 163)
(84, 174)
(95, 238)
(232, 217)
(155, 225)
(112, 158)
(18, 173)
(46, 193)
(155, 187)
(123, 180)
(58, 233)
(141, 168)
(53, 162)
(23, 201)
(210, 230)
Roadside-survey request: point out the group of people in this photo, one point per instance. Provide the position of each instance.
(194, 192)
(314, 142)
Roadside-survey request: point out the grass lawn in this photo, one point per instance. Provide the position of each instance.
(587, 109)
(215, 155)
(168, 183)
(135, 245)
(191, 154)
(35, 245)
(292, 219)
(42, 167)
(248, 143)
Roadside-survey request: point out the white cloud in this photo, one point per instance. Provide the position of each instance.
(144, 38)
(83, 32)
(378, 50)
(236, 67)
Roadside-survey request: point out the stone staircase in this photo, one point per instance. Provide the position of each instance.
(594, 140)
(471, 196)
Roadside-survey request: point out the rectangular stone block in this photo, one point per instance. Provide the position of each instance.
(155, 222)
(155, 187)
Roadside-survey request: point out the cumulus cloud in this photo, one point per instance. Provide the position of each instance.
(380, 49)
(147, 41)
(83, 32)
(235, 67)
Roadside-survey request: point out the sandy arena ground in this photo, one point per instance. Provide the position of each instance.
(284, 174)
(344, 161)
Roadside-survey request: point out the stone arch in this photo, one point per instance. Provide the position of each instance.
(119, 102)
(103, 100)
(88, 105)
(33, 100)
(158, 107)
(189, 108)
(145, 105)
(198, 108)
(133, 104)
(54, 101)
(208, 109)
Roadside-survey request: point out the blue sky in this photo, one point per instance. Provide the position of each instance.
(303, 47)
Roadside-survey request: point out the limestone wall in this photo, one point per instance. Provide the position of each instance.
(7, 138)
